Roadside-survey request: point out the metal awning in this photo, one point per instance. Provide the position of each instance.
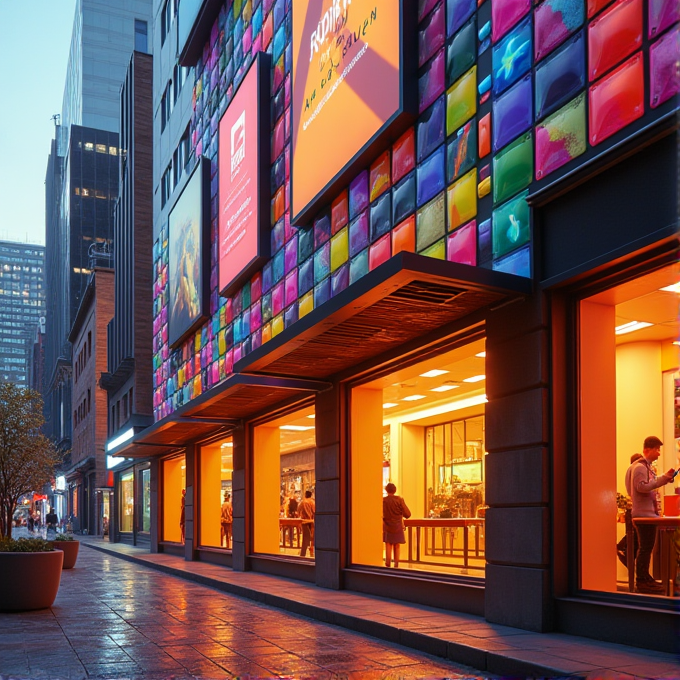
(405, 298)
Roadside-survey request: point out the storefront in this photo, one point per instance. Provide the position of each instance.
(469, 303)
(126, 509)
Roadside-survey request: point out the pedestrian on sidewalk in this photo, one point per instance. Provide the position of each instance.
(642, 484)
(394, 513)
(306, 512)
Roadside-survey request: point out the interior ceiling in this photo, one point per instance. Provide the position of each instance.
(296, 440)
(643, 300)
(460, 363)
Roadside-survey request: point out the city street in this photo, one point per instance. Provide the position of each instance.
(115, 619)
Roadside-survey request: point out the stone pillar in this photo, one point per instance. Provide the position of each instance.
(329, 531)
(155, 510)
(190, 528)
(238, 497)
(518, 575)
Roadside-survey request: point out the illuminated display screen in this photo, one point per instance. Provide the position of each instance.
(186, 262)
(242, 245)
(346, 89)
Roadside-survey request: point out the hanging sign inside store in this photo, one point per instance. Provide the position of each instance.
(244, 179)
(350, 91)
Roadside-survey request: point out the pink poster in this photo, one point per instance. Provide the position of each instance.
(238, 191)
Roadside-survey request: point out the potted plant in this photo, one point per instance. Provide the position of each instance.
(30, 569)
(30, 572)
(69, 545)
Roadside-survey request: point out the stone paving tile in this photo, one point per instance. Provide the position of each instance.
(114, 619)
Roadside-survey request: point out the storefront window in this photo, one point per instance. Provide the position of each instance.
(127, 501)
(216, 510)
(421, 429)
(146, 500)
(628, 376)
(174, 489)
(284, 485)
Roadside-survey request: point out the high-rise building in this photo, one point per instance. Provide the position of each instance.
(22, 307)
(82, 180)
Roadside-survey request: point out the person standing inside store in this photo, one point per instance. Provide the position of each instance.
(292, 508)
(394, 513)
(642, 484)
(181, 514)
(306, 511)
(226, 521)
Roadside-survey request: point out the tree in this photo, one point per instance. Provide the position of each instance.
(27, 457)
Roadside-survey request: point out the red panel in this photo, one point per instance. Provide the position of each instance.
(339, 212)
(404, 236)
(484, 136)
(613, 36)
(594, 6)
(379, 252)
(403, 155)
(617, 100)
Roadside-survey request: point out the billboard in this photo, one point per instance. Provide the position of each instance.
(244, 187)
(350, 90)
(189, 256)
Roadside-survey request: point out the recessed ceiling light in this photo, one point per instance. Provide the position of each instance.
(444, 388)
(675, 342)
(481, 355)
(297, 428)
(313, 415)
(389, 404)
(433, 373)
(414, 397)
(224, 446)
(673, 288)
(631, 326)
(474, 378)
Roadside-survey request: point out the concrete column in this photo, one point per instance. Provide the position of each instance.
(239, 549)
(155, 505)
(518, 577)
(190, 526)
(329, 529)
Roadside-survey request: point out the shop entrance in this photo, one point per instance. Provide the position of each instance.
(421, 429)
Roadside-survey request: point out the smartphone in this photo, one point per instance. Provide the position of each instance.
(675, 473)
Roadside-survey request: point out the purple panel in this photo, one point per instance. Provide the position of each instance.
(306, 276)
(358, 234)
(430, 175)
(291, 288)
(290, 255)
(484, 241)
(512, 113)
(322, 292)
(431, 35)
(322, 229)
(290, 316)
(664, 57)
(661, 14)
(431, 83)
(424, 8)
(554, 22)
(431, 129)
(505, 14)
(358, 194)
(340, 280)
(277, 298)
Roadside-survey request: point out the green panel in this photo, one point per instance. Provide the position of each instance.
(510, 225)
(513, 168)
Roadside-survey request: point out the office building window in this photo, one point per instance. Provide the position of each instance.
(166, 20)
(166, 185)
(141, 36)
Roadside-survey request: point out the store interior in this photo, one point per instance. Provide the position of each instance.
(174, 483)
(422, 428)
(629, 389)
(216, 464)
(283, 452)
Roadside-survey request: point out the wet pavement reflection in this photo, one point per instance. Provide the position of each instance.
(115, 619)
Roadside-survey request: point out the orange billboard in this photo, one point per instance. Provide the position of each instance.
(348, 79)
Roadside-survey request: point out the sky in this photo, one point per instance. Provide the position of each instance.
(35, 36)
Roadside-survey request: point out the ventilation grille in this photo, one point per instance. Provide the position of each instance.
(423, 292)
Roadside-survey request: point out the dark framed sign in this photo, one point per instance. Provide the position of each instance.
(354, 91)
(189, 256)
(244, 185)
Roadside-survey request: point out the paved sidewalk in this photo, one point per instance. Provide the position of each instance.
(116, 619)
(461, 638)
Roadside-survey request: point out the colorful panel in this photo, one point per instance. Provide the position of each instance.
(430, 176)
(511, 57)
(457, 13)
(430, 223)
(554, 22)
(616, 100)
(461, 245)
(510, 225)
(513, 168)
(431, 35)
(512, 113)
(404, 198)
(661, 15)
(560, 77)
(462, 200)
(379, 176)
(614, 35)
(461, 53)
(505, 14)
(404, 236)
(461, 101)
(461, 152)
(664, 60)
(404, 155)
(561, 137)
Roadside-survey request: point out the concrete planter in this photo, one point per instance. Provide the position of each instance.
(70, 549)
(29, 580)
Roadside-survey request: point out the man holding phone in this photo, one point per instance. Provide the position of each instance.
(642, 484)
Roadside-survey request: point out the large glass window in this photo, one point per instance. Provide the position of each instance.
(127, 501)
(628, 382)
(146, 500)
(284, 485)
(174, 491)
(418, 435)
(216, 510)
